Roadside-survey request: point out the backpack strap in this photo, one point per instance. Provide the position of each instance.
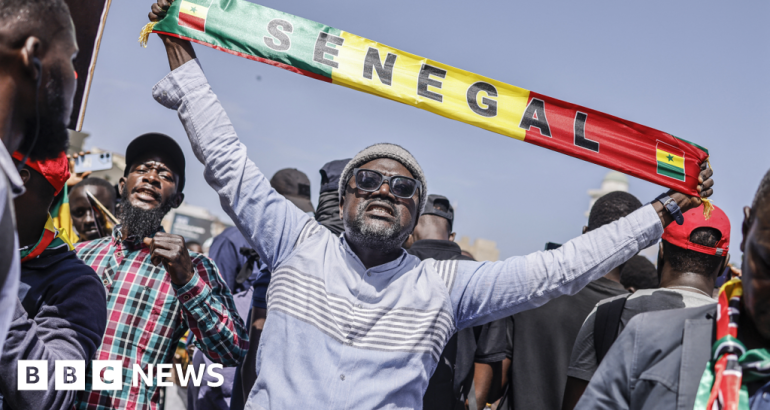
(606, 325)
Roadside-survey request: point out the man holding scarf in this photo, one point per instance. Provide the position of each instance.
(353, 320)
(704, 357)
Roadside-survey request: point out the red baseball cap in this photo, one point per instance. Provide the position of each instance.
(679, 235)
(56, 171)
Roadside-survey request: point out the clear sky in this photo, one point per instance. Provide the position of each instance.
(696, 69)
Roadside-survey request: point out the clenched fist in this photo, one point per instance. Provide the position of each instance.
(171, 251)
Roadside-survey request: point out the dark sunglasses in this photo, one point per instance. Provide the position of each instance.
(401, 187)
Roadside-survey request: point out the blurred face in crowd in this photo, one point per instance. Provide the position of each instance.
(194, 247)
(756, 268)
(51, 41)
(149, 191)
(433, 227)
(83, 218)
(379, 220)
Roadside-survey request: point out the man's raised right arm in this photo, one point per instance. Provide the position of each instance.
(269, 222)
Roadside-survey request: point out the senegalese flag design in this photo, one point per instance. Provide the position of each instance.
(732, 368)
(193, 16)
(328, 54)
(670, 161)
(62, 219)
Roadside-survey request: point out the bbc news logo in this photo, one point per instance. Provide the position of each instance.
(108, 375)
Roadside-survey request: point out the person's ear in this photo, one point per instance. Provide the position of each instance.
(408, 242)
(25, 175)
(746, 226)
(177, 200)
(121, 186)
(30, 58)
(452, 236)
(342, 204)
(585, 229)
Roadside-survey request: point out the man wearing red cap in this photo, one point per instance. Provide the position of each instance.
(691, 257)
(708, 357)
(61, 309)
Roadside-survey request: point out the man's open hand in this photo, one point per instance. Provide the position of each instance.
(687, 202)
(171, 251)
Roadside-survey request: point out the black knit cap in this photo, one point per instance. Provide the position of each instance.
(157, 143)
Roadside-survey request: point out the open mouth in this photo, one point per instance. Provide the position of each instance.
(380, 209)
(146, 194)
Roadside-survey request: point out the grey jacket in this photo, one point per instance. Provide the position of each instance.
(656, 363)
(11, 186)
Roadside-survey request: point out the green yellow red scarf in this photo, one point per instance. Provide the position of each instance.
(248, 30)
(62, 218)
(723, 384)
(51, 238)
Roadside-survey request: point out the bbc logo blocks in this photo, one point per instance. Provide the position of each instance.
(108, 375)
(70, 375)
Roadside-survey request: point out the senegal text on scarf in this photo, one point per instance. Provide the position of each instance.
(328, 54)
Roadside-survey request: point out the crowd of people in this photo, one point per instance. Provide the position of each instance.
(364, 301)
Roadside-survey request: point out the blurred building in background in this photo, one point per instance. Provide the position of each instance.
(613, 181)
(194, 223)
(617, 181)
(481, 249)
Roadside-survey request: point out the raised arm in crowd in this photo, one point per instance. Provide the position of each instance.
(376, 317)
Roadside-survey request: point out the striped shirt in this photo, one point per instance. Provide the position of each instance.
(147, 314)
(341, 336)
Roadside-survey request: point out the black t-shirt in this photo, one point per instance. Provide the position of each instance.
(451, 382)
(540, 343)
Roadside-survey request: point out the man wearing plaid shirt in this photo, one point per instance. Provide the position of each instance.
(156, 290)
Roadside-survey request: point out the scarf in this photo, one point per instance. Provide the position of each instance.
(51, 238)
(324, 53)
(62, 218)
(723, 384)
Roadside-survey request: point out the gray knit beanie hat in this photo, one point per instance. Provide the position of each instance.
(386, 150)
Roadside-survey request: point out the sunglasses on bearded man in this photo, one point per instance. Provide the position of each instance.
(400, 186)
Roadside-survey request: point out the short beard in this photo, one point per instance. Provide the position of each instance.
(140, 222)
(384, 239)
(53, 137)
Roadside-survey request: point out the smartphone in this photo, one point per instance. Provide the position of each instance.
(549, 246)
(93, 162)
